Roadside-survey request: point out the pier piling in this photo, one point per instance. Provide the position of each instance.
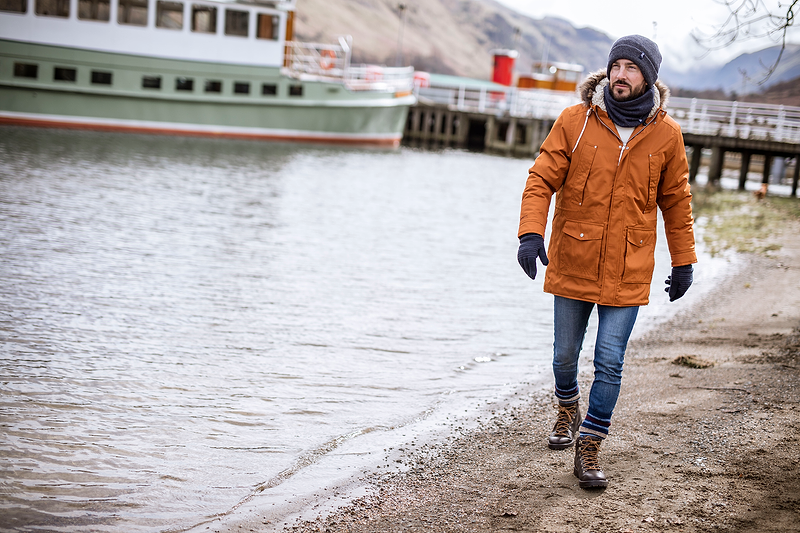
(438, 126)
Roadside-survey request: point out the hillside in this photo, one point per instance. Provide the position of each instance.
(457, 37)
(447, 36)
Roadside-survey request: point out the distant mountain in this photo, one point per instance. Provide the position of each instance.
(744, 74)
(457, 37)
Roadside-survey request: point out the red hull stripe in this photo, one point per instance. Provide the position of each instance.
(45, 123)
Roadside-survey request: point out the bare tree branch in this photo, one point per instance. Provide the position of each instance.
(751, 19)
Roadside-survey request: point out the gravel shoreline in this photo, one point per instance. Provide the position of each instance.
(704, 447)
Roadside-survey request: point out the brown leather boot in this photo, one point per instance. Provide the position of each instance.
(587, 467)
(566, 427)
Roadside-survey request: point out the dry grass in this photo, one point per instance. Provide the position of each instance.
(734, 220)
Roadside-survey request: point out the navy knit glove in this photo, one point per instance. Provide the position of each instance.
(531, 246)
(679, 282)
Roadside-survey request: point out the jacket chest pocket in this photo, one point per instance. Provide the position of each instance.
(656, 161)
(575, 184)
(579, 253)
(639, 255)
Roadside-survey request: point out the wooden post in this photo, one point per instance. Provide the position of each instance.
(715, 167)
(488, 139)
(427, 118)
(448, 129)
(511, 134)
(415, 122)
(697, 155)
(744, 169)
(529, 136)
(462, 130)
(767, 168)
(437, 126)
(762, 192)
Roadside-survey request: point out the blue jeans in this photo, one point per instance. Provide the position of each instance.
(613, 331)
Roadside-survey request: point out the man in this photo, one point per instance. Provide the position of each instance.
(610, 161)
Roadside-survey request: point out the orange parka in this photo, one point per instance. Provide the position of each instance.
(602, 243)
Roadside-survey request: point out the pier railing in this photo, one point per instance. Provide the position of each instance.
(519, 103)
(743, 120)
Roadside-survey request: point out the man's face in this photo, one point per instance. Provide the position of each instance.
(627, 81)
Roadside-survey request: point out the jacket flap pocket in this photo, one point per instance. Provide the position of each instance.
(583, 231)
(641, 237)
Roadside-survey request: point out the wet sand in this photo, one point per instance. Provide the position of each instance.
(714, 448)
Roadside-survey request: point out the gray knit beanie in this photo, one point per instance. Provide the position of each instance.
(641, 51)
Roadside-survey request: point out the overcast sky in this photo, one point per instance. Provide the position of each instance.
(675, 20)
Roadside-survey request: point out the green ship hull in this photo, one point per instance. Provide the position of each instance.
(54, 86)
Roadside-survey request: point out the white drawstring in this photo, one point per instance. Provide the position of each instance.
(584, 129)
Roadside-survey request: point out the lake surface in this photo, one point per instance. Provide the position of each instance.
(187, 325)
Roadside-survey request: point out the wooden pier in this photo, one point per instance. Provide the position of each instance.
(751, 131)
(515, 122)
(484, 116)
(432, 125)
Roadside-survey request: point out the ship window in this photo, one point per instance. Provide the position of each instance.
(213, 86)
(236, 22)
(26, 70)
(65, 74)
(295, 90)
(241, 87)
(52, 8)
(132, 12)
(94, 10)
(267, 27)
(204, 19)
(100, 77)
(14, 6)
(151, 82)
(269, 89)
(184, 84)
(169, 15)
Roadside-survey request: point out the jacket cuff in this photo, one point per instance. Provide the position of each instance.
(685, 258)
(530, 227)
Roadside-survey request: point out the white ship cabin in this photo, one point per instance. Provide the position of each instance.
(245, 33)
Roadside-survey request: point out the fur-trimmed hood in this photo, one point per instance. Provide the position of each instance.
(591, 92)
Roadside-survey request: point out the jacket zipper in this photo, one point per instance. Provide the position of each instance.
(623, 146)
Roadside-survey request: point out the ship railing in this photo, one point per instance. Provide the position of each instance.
(376, 77)
(512, 101)
(317, 59)
(332, 62)
(743, 120)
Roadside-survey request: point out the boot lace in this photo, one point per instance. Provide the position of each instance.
(564, 420)
(590, 449)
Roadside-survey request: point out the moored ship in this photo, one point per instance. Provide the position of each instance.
(191, 67)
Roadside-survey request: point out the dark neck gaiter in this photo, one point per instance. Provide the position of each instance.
(631, 113)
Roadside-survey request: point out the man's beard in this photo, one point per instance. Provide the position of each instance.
(632, 95)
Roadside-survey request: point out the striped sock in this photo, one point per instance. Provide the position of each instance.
(568, 397)
(595, 426)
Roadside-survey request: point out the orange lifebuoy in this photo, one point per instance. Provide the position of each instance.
(327, 58)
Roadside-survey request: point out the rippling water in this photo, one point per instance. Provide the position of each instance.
(186, 322)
